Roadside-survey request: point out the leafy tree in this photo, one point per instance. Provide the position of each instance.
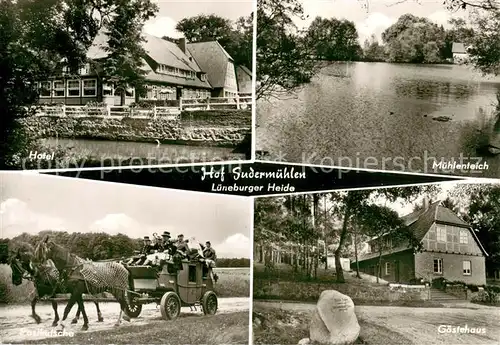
(284, 59)
(353, 204)
(123, 65)
(333, 39)
(40, 38)
(373, 51)
(481, 209)
(388, 229)
(204, 28)
(413, 39)
(485, 50)
(236, 38)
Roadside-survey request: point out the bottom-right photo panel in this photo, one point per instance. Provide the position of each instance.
(401, 265)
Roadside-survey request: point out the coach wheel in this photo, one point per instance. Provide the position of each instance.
(209, 303)
(170, 306)
(132, 309)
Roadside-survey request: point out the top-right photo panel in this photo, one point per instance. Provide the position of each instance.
(397, 85)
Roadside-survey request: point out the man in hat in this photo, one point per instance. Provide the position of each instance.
(165, 240)
(147, 248)
(181, 244)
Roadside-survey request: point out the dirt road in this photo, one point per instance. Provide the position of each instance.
(416, 326)
(16, 324)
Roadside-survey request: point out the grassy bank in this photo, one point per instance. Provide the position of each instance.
(217, 329)
(282, 283)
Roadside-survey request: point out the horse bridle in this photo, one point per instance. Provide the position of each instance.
(15, 263)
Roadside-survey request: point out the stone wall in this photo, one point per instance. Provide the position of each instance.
(215, 128)
(305, 291)
(456, 290)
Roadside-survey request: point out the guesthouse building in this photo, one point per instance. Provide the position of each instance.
(450, 250)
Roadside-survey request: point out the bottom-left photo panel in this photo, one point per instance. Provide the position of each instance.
(86, 261)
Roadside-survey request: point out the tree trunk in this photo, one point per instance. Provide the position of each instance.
(343, 236)
(324, 236)
(356, 250)
(122, 97)
(379, 272)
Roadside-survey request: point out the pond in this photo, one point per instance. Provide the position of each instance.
(143, 153)
(384, 116)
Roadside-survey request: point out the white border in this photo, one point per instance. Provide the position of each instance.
(254, 79)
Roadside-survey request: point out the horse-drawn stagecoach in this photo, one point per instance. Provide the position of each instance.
(172, 285)
(176, 280)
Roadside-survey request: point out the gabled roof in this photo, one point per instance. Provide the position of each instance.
(421, 221)
(458, 48)
(213, 60)
(168, 53)
(240, 68)
(160, 51)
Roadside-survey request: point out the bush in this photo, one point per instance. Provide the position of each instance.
(439, 283)
(490, 295)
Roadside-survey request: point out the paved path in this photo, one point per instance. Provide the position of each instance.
(417, 326)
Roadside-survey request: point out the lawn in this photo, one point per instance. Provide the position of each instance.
(233, 282)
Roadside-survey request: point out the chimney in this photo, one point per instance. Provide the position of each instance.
(182, 44)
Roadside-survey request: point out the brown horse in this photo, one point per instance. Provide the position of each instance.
(86, 277)
(46, 279)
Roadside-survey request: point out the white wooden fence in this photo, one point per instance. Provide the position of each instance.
(187, 104)
(215, 103)
(107, 111)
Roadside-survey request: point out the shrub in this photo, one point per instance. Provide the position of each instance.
(439, 283)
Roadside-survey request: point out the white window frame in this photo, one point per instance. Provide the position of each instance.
(49, 89)
(464, 237)
(112, 90)
(387, 268)
(467, 267)
(88, 88)
(439, 266)
(443, 232)
(59, 89)
(73, 88)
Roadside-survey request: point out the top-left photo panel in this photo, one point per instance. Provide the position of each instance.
(125, 83)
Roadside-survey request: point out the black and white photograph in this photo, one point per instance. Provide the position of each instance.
(401, 265)
(109, 263)
(121, 83)
(401, 85)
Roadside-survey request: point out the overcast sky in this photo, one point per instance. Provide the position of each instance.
(31, 203)
(172, 11)
(380, 14)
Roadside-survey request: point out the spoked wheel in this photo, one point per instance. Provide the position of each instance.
(132, 309)
(170, 306)
(209, 303)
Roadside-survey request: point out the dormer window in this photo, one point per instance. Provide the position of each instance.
(203, 77)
